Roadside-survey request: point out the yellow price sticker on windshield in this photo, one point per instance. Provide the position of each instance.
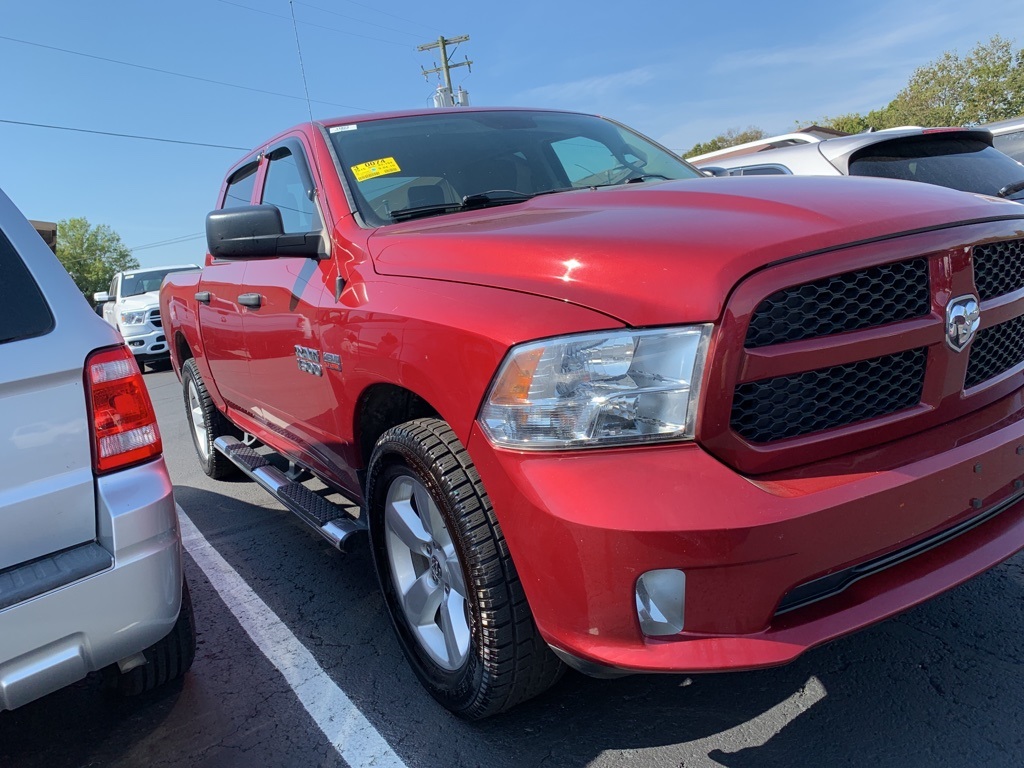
(375, 168)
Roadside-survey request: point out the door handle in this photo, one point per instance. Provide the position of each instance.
(250, 300)
(203, 296)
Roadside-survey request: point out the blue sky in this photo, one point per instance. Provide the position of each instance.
(679, 72)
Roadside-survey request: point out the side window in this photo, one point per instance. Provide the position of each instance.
(587, 162)
(240, 187)
(1011, 144)
(287, 188)
(26, 313)
(113, 288)
(764, 170)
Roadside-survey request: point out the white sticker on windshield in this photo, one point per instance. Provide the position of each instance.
(340, 128)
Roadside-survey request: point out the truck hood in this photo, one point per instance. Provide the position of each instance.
(665, 252)
(149, 300)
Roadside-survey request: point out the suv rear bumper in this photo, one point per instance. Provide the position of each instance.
(583, 527)
(57, 638)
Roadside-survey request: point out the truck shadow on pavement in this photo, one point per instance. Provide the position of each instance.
(938, 686)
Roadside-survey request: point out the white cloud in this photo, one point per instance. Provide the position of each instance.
(896, 30)
(590, 88)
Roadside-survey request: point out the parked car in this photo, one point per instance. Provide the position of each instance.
(596, 409)
(132, 305)
(959, 158)
(1008, 137)
(90, 553)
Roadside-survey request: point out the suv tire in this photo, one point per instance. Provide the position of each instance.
(166, 660)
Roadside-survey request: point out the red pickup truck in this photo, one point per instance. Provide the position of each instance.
(595, 409)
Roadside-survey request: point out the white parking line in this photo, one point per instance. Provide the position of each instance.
(352, 735)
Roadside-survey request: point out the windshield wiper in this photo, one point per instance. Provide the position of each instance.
(470, 202)
(643, 177)
(495, 197)
(404, 214)
(1009, 189)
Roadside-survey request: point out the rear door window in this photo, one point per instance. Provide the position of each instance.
(25, 311)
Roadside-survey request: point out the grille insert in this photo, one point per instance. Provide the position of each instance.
(995, 350)
(999, 268)
(805, 403)
(848, 302)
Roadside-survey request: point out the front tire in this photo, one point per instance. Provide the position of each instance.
(451, 588)
(206, 423)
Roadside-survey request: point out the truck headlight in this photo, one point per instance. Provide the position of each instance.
(133, 317)
(597, 389)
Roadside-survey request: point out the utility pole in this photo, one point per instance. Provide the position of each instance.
(447, 99)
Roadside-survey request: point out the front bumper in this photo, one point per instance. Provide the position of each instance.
(582, 527)
(147, 342)
(57, 638)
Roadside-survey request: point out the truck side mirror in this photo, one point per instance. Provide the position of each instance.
(256, 231)
(101, 297)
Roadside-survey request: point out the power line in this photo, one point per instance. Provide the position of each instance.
(124, 135)
(175, 74)
(171, 241)
(353, 18)
(310, 24)
(393, 16)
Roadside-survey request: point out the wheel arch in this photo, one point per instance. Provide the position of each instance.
(383, 406)
(182, 350)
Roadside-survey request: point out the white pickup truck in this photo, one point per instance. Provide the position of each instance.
(132, 305)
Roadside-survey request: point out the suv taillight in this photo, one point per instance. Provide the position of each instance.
(122, 418)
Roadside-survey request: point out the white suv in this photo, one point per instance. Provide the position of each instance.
(959, 158)
(132, 305)
(90, 551)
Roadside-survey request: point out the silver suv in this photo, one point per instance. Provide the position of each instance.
(959, 158)
(1008, 137)
(90, 551)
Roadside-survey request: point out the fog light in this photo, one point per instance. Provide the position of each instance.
(135, 343)
(660, 599)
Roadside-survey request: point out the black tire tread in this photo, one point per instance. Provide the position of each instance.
(167, 659)
(517, 663)
(216, 465)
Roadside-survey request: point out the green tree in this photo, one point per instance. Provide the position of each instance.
(984, 86)
(91, 255)
(849, 123)
(730, 138)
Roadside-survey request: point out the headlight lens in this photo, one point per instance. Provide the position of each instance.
(610, 388)
(135, 317)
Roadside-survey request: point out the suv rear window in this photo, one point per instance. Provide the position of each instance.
(25, 312)
(970, 165)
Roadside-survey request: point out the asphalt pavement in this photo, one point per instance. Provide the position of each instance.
(297, 666)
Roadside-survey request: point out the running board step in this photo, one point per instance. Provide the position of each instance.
(329, 519)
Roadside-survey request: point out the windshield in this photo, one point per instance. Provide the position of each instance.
(138, 283)
(443, 162)
(967, 164)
